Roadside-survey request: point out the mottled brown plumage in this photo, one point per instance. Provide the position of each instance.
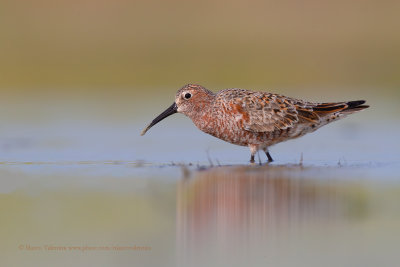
(254, 119)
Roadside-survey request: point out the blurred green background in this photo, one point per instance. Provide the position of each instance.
(128, 46)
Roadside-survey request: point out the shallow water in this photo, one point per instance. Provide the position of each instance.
(97, 212)
(79, 192)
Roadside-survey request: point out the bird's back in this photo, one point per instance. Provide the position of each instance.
(244, 117)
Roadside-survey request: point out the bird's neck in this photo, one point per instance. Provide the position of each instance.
(203, 117)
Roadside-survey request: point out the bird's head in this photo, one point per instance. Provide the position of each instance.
(190, 100)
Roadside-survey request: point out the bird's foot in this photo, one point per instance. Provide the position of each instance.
(252, 161)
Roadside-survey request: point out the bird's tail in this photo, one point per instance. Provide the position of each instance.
(354, 106)
(347, 107)
(329, 112)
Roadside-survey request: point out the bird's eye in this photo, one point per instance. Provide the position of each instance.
(188, 95)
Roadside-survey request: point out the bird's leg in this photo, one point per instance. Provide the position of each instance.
(253, 150)
(252, 159)
(270, 159)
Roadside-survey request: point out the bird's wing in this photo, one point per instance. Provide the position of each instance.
(265, 112)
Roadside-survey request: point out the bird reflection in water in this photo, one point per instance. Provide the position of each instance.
(234, 214)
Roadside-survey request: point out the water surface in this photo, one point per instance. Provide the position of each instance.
(89, 190)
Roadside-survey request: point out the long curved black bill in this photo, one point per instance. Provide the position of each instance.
(168, 112)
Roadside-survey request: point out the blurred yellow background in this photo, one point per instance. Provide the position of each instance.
(79, 79)
(126, 46)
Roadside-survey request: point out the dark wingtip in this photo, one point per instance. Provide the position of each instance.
(350, 106)
(356, 105)
(353, 104)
